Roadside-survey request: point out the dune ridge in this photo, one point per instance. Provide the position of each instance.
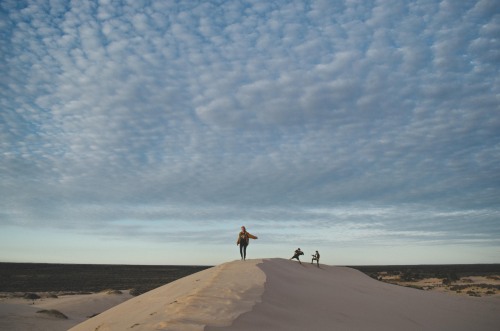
(303, 297)
(278, 294)
(215, 296)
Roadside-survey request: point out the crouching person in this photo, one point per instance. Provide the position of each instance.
(296, 255)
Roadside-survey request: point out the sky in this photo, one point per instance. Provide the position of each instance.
(149, 132)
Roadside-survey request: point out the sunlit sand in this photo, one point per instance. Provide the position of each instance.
(266, 294)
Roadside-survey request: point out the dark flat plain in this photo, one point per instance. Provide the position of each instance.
(82, 278)
(42, 277)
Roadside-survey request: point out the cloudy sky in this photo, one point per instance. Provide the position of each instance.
(148, 132)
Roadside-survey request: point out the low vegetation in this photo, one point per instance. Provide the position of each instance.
(53, 313)
(451, 278)
(31, 296)
(113, 292)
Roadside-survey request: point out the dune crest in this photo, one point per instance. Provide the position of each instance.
(278, 294)
(214, 296)
(302, 297)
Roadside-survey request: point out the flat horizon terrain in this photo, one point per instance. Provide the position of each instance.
(471, 279)
(47, 277)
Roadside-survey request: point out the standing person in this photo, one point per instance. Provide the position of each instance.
(315, 257)
(243, 240)
(296, 255)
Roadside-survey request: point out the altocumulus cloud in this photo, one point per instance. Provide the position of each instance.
(375, 121)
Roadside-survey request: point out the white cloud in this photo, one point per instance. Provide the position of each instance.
(266, 105)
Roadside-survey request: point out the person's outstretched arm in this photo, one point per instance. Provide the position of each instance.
(252, 236)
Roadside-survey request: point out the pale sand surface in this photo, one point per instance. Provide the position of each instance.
(303, 297)
(269, 294)
(21, 314)
(214, 296)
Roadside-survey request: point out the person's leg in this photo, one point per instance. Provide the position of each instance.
(241, 251)
(245, 252)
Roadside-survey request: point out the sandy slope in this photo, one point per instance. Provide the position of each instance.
(303, 297)
(20, 314)
(278, 294)
(214, 296)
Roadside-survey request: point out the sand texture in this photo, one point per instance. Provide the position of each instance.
(303, 297)
(270, 294)
(215, 296)
(22, 314)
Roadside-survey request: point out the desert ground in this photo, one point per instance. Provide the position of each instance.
(478, 286)
(272, 294)
(465, 280)
(72, 293)
(54, 311)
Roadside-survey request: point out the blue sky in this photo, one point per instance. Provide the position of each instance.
(148, 132)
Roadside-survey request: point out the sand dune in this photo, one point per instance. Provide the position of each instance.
(277, 294)
(303, 297)
(269, 294)
(215, 296)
